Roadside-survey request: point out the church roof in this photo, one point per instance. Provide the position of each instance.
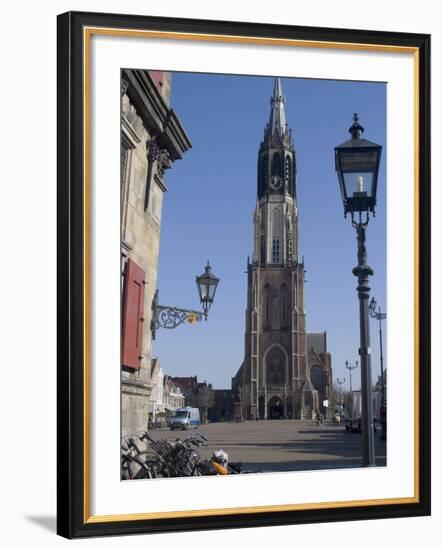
(277, 121)
(185, 381)
(317, 341)
(308, 386)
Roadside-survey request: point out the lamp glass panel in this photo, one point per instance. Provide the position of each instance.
(358, 182)
(202, 290)
(211, 290)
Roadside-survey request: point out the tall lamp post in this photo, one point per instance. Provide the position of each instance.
(357, 165)
(350, 368)
(171, 316)
(380, 316)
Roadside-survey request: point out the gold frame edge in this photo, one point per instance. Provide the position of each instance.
(87, 33)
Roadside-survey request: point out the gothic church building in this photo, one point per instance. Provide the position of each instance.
(286, 372)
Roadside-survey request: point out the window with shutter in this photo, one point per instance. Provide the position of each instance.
(133, 317)
(158, 78)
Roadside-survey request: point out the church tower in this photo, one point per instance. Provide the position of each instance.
(274, 380)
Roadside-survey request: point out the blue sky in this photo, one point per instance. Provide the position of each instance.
(207, 214)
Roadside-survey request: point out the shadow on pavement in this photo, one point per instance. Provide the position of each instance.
(337, 447)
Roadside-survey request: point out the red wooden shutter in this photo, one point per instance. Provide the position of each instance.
(133, 307)
(158, 78)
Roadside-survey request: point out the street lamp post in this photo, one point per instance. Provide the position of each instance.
(350, 368)
(357, 165)
(171, 316)
(380, 316)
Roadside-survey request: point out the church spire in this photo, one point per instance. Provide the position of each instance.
(276, 157)
(277, 121)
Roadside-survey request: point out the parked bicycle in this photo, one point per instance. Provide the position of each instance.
(137, 463)
(145, 458)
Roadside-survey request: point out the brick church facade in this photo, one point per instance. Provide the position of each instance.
(286, 372)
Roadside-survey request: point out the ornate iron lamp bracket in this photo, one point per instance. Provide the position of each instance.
(171, 317)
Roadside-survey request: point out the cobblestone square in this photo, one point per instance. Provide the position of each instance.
(284, 445)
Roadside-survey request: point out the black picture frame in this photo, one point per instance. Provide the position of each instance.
(72, 446)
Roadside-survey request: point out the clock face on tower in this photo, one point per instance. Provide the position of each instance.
(276, 184)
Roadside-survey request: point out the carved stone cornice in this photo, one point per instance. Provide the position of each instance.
(162, 159)
(164, 162)
(157, 118)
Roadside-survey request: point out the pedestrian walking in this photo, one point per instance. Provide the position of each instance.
(318, 418)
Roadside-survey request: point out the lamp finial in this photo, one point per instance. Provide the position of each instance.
(356, 129)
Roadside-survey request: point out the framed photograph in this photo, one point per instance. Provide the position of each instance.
(243, 274)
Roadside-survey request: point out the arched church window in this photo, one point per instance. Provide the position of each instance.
(277, 165)
(275, 252)
(263, 250)
(263, 167)
(277, 228)
(275, 312)
(275, 367)
(317, 378)
(285, 306)
(267, 305)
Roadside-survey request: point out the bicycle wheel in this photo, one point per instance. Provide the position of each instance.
(144, 466)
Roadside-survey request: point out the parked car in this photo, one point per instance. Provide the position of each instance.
(352, 421)
(185, 418)
(354, 424)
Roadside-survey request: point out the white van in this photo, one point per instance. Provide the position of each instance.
(185, 418)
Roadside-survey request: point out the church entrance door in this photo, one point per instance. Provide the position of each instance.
(275, 408)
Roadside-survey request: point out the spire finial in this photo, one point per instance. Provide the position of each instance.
(277, 122)
(356, 129)
(277, 90)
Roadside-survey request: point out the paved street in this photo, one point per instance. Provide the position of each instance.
(283, 445)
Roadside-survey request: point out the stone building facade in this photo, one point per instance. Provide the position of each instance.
(276, 379)
(197, 394)
(320, 371)
(165, 396)
(173, 397)
(222, 408)
(156, 397)
(152, 139)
